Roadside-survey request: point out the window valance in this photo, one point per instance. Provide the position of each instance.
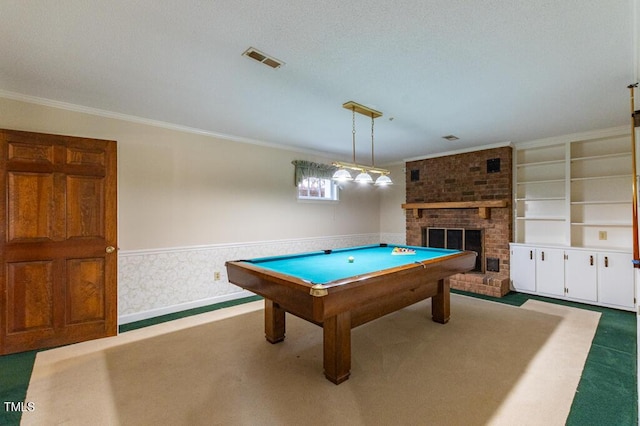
(306, 169)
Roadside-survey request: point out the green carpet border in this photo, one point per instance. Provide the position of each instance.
(15, 373)
(607, 392)
(183, 314)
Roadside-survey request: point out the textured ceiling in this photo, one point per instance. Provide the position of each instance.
(487, 71)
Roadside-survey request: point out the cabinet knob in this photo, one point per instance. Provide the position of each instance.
(606, 261)
(542, 254)
(531, 254)
(591, 260)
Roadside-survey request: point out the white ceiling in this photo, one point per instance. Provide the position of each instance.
(487, 71)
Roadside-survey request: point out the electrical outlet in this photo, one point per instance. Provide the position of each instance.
(602, 235)
(216, 276)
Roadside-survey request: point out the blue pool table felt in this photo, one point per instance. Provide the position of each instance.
(321, 268)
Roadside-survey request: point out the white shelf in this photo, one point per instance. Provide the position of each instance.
(574, 192)
(576, 179)
(609, 224)
(541, 163)
(585, 203)
(549, 218)
(600, 157)
(541, 199)
(541, 181)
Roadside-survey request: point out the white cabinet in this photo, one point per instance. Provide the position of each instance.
(615, 280)
(523, 269)
(537, 270)
(581, 278)
(603, 278)
(550, 271)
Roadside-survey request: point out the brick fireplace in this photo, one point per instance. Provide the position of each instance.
(452, 196)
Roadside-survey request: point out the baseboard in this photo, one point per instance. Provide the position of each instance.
(152, 313)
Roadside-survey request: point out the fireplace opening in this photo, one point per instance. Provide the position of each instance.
(456, 239)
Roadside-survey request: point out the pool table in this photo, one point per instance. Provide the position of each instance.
(343, 288)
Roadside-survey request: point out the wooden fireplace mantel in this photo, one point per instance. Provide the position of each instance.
(484, 207)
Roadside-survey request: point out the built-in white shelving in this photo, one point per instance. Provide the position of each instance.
(574, 193)
(573, 205)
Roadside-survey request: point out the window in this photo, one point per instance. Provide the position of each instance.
(313, 188)
(313, 181)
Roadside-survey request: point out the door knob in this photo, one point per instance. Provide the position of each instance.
(110, 249)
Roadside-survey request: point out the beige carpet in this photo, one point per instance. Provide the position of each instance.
(491, 364)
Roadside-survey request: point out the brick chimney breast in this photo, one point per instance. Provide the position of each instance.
(466, 177)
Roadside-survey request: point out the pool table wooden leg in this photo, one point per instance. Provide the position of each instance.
(274, 323)
(440, 303)
(337, 347)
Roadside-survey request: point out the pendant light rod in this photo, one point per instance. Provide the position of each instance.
(353, 132)
(369, 112)
(373, 163)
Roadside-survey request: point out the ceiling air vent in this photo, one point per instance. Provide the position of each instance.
(451, 138)
(257, 55)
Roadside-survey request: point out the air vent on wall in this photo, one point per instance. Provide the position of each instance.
(259, 56)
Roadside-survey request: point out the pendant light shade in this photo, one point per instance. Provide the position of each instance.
(342, 175)
(383, 180)
(364, 177)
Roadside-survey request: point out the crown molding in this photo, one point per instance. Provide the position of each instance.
(580, 136)
(459, 151)
(149, 122)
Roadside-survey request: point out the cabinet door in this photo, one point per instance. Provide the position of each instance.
(581, 277)
(550, 271)
(615, 279)
(523, 269)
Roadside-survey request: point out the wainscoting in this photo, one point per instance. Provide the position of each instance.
(163, 281)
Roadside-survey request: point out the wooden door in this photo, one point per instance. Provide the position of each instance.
(58, 236)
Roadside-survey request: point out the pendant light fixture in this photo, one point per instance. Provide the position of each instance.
(342, 174)
(383, 179)
(365, 177)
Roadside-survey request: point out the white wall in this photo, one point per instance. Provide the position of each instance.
(182, 189)
(392, 215)
(186, 201)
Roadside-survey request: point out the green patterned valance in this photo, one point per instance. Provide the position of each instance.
(307, 169)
